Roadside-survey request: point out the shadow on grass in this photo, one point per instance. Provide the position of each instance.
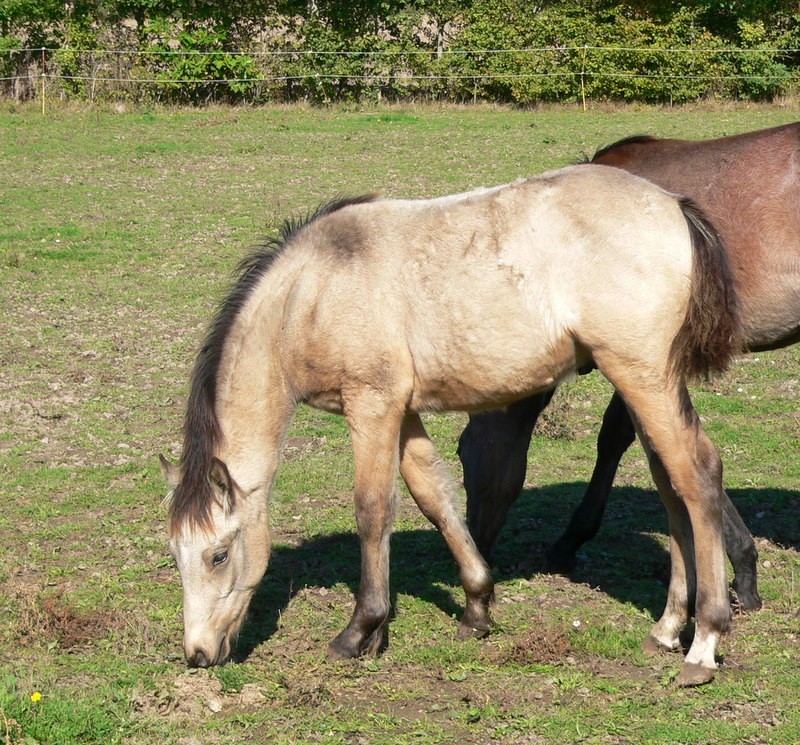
(628, 559)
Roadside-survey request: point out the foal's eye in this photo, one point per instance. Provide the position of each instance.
(219, 558)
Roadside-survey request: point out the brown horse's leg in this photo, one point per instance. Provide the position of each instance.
(616, 435)
(688, 474)
(493, 449)
(742, 552)
(433, 489)
(375, 440)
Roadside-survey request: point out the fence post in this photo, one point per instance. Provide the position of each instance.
(583, 75)
(44, 73)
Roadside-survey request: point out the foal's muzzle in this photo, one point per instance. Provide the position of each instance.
(199, 657)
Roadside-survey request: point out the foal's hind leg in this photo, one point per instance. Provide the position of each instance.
(432, 488)
(682, 592)
(616, 435)
(688, 474)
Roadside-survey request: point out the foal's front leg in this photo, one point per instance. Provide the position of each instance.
(375, 448)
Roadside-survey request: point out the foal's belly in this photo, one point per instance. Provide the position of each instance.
(490, 378)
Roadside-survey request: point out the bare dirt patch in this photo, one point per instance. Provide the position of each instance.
(47, 617)
(196, 694)
(297, 447)
(543, 646)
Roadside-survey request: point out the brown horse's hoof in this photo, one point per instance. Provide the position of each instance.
(693, 674)
(747, 599)
(560, 560)
(337, 655)
(344, 647)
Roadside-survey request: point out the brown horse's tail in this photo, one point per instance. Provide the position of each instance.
(711, 333)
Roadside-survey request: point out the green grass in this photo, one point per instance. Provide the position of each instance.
(118, 235)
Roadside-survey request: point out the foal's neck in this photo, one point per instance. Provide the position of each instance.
(254, 403)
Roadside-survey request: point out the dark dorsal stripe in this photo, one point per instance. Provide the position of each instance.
(635, 140)
(192, 499)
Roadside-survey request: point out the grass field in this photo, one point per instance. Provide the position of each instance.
(118, 235)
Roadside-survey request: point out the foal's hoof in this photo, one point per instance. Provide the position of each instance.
(693, 674)
(476, 621)
(652, 645)
(468, 631)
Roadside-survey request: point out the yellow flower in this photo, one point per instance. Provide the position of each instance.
(36, 697)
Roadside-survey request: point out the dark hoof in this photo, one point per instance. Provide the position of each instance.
(476, 621)
(343, 647)
(560, 561)
(349, 644)
(335, 654)
(651, 645)
(693, 674)
(748, 600)
(465, 631)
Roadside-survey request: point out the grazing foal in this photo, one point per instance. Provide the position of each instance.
(382, 309)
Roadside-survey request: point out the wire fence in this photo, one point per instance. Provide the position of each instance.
(524, 75)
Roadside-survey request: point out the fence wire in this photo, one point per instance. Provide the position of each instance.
(514, 75)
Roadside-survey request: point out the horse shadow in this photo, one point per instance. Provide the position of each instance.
(628, 560)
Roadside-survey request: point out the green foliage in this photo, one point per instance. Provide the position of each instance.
(8, 55)
(763, 76)
(506, 51)
(614, 54)
(31, 20)
(80, 36)
(206, 72)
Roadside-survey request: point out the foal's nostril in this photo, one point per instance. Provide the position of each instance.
(199, 659)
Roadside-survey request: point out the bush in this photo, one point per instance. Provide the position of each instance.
(497, 50)
(207, 71)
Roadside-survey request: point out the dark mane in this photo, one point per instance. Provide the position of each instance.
(635, 140)
(192, 498)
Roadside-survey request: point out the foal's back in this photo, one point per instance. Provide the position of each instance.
(484, 297)
(749, 185)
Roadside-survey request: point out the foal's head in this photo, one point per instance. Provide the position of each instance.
(222, 555)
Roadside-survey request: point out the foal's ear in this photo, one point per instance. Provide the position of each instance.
(221, 478)
(170, 472)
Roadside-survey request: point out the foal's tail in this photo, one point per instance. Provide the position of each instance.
(711, 333)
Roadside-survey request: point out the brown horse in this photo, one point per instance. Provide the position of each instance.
(381, 309)
(749, 185)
